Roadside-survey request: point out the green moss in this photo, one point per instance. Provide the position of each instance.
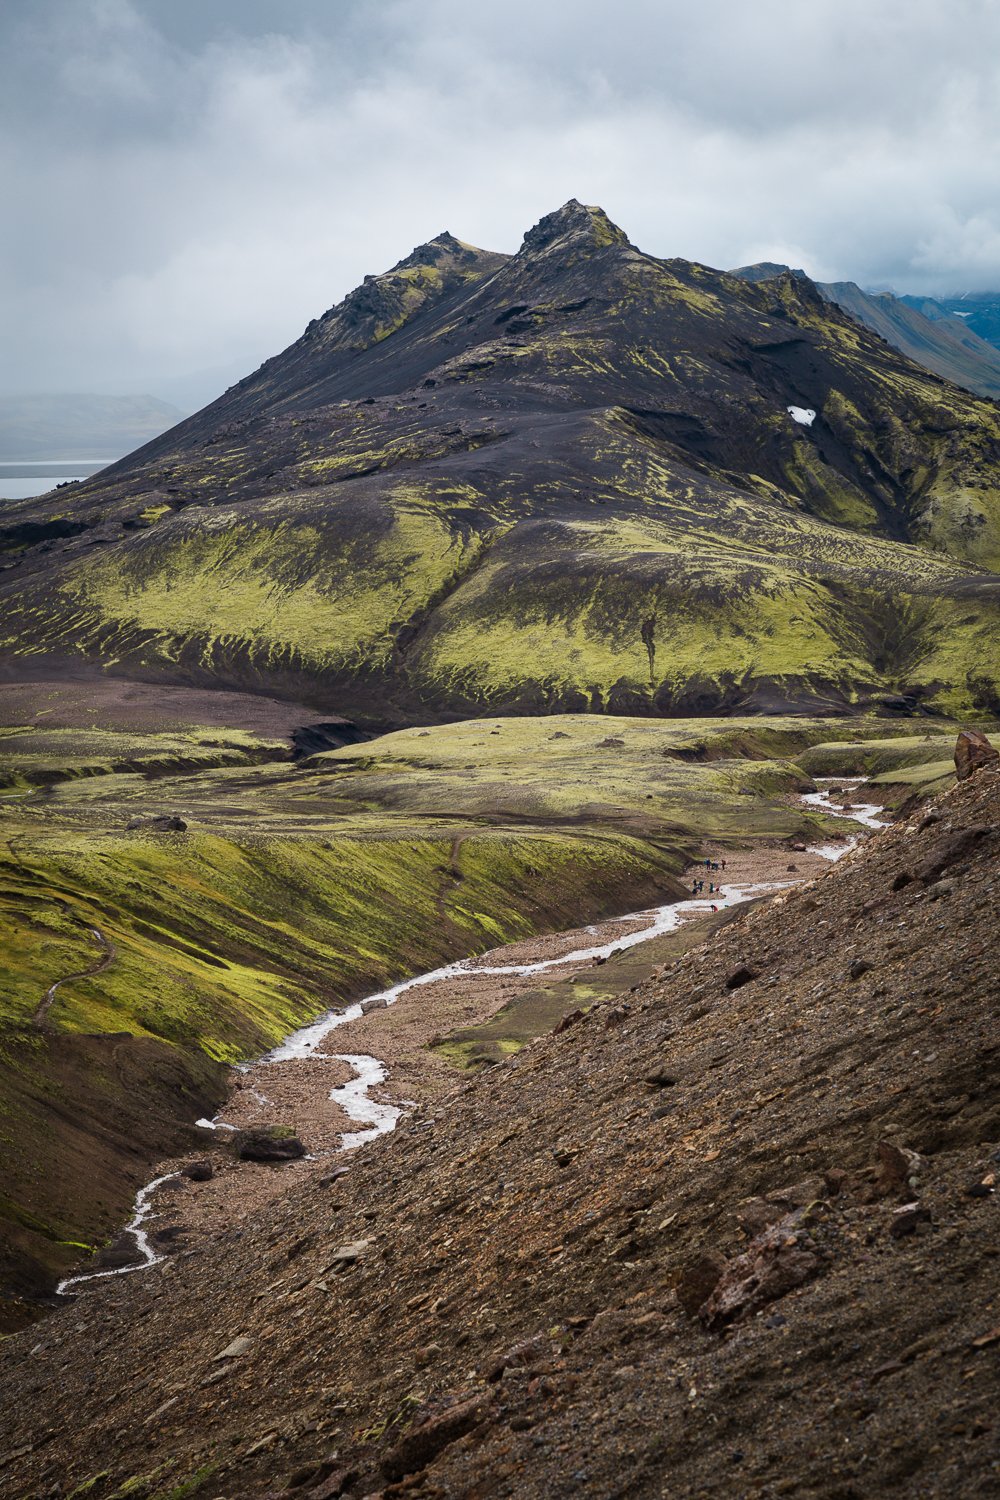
(89, 1486)
(232, 587)
(189, 1486)
(880, 757)
(37, 757)
(140, 1486)
(153, 513)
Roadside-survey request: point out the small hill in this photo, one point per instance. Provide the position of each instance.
(732, 1232)
(579, 478)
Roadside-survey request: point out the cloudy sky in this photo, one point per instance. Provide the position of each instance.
(186, 183)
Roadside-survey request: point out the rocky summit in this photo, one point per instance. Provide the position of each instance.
(577, 478)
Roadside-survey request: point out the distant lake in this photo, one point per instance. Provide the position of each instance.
(20, 480)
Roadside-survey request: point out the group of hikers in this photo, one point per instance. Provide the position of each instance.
(714, 888)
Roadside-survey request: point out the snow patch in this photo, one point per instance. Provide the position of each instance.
(802, 414)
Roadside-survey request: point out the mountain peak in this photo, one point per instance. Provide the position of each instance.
(577, 222)
(767, 270)
(445, 249)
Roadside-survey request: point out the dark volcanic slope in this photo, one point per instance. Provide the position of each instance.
(710, 1241)
(566, 479)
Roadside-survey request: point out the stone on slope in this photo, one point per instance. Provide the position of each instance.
(973, 751)
(268, 1143)
(424, 1441)
(698, 1280)
(775, 1262)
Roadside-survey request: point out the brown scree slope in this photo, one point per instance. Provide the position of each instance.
(531, 1308)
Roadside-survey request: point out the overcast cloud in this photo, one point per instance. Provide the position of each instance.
(187, 182)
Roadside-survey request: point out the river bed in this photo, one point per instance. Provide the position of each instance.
(323, 1091)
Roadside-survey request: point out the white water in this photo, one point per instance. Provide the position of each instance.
(354, 1097)
(658, 920)
(861, 812)
(140, 1213)
(354, 1100)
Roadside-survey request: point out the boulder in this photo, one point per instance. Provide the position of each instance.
(661, 1078)
(973, 751)
(198, 1171)
(268, 1143)
(334, 1175)
(740, 976)
(157, 823)
(239, 1346)
(908, 1219)
(698, 1279)
(348, 1254)
(427, 1437)
(778, 1259)
(896, 1167)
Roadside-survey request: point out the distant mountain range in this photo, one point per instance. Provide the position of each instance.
(963, 349)
(576, 478)
(79, 426)
(979, 311)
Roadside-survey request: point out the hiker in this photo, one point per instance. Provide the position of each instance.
(714, 907)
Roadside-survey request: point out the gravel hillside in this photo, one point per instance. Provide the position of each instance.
(732, 1233)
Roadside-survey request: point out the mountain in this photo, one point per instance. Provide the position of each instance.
(979, 311)
(576, 478)
(926, 333)
(79, 427)
(945, 345)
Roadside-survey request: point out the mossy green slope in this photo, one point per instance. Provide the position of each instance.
(221, 946)
(219, 941)
(565, 480)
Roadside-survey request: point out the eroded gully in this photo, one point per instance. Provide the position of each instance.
(376, 1117)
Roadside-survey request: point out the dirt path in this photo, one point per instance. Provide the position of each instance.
(39, 1019)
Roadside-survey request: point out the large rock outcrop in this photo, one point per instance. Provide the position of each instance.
(973, 751)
